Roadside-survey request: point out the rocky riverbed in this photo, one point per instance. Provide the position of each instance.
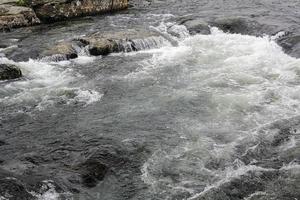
(194, 100)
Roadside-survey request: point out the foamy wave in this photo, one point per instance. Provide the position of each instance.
(241, 83)
(45, 84)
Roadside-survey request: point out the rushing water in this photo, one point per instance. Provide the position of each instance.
(215, 117)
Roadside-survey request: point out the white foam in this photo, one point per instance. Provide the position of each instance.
(88, 96)
(84, 60)
(246, 82)
(45, 84)
(239, 70)
(48, 192)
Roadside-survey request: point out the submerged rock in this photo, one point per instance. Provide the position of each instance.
(238, 25)
(290, 44)
(196, 26)
(8, 71)
(53, 10)
(92, 171)
(12, 16)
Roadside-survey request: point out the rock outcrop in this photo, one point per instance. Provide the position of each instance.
(15, 13)
(12, 16)
(123, 41)
(9, 72)
(61, 51)
(56, 10)
(105, 43)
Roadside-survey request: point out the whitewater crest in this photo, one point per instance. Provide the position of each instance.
(46, 84)
(245, 137)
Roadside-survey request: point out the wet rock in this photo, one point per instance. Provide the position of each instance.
(290, 44)
(101, 46)
(240, 25)
(92, 171)
(197, 26)
(103, 159)
(61, 51)
(12, 16)
(8, 71)
(53, 10)
(122, 41)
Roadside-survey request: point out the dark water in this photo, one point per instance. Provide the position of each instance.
(215, 118)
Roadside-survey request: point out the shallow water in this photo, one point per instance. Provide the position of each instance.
(216, 117)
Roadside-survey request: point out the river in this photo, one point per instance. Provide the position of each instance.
(214, 118)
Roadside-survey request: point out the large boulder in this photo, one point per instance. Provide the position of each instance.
(8, 71)
(12, 16)
(56, 10)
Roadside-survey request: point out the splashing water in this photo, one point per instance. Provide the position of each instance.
(45, 84)
(232, 86)
(229, 101)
